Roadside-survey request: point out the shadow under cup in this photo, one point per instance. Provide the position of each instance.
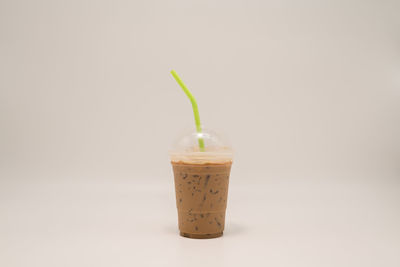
(201, 197)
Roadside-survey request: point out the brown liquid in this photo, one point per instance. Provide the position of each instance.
(201, 196)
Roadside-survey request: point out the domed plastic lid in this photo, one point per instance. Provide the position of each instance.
(216, 148)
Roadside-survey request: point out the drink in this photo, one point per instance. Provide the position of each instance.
(201, 197)
(201, 183)
(201, 162)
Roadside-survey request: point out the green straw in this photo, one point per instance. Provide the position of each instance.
(195, 108)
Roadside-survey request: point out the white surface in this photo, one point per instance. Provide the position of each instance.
(307, 91)
(284, 221)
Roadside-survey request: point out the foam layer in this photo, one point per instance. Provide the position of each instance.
(195, 157)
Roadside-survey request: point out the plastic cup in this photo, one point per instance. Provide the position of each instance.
(201, 183)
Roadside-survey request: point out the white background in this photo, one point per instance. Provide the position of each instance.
(308, 92)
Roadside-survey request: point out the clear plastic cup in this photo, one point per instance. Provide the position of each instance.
(201, 183)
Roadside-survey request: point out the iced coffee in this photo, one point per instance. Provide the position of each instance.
(201, 187)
